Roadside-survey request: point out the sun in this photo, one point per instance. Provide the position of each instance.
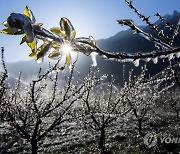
(66, 48)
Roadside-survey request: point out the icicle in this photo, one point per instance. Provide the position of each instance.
(178, 54)
(170, 56)
(136, 62)
(104, 57)
(147, 59)
(155, 60)
(93, 57)
(40, 60)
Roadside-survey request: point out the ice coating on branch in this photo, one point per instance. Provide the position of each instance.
(25, 24)
(125, 60)
(93, 57)
(163, 56)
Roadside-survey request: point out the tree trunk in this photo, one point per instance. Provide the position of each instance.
(140, 126)
(102, 139)
(34, 146)
(177, 114)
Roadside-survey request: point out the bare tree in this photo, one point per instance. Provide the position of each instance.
(175, 70)
(101, 107)
(172, 99)
(3, 75)
(143, 93)
(42, 107)
(3, 88)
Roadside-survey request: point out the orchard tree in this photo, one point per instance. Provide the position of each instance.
(3, 88)
(175, 103)
(43, 106)
(172, 100)
(143, 93)
(101, 107)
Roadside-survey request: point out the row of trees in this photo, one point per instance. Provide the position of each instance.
(41, 108)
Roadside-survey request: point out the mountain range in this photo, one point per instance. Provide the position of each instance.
(123, 41)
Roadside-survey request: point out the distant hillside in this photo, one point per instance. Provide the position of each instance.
(123, 41)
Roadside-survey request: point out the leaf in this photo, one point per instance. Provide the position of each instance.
(26, 12)
(54, 55)
(42, 50)
(32, 17)
(32, 45)
(8, 31)
(68, 59)
(11, 31)
(55, 46)
(127, 22)
(92, 41)
(23, 39)
(28, 30)
(31, 54)
(39, 52)
(57, 30)
(84, 47)
(68, 28)
(73, 34)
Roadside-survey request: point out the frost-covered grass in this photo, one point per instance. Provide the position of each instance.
(121, 137)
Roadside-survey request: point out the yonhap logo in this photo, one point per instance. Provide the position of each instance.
(169, 139)
(150, 140)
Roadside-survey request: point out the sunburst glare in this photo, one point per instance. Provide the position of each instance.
(66, 48)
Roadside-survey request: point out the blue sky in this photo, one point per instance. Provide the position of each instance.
(89, 17)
